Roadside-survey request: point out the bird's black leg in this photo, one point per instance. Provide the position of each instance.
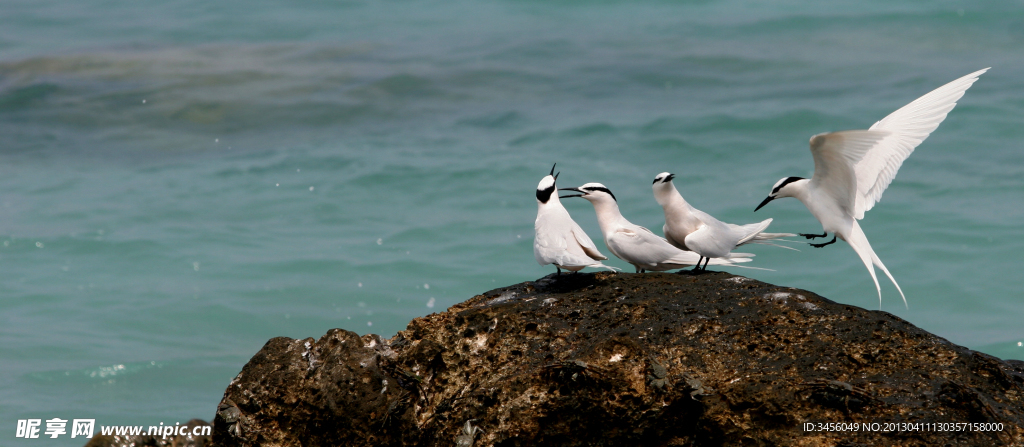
(643, 270)
(558, 271)
(706, 261)
(826, 243)
(696, 268)
(812, 236)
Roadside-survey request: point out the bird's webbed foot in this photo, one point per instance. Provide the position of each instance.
(813, 236)
(826, 243)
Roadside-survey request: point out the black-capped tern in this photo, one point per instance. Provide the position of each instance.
(689, 228)
(557, 239)
(852, 168)
(638, 245)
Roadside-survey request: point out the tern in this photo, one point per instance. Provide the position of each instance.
(691, 229)
(852, 168)
(635, 244)
(557, 239)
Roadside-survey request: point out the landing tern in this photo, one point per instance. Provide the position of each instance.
(689, 228)
(852, 168)
(635, 244)
(557, 239)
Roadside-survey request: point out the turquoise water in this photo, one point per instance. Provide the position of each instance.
(180, 182)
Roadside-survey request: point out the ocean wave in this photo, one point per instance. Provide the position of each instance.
(98, 374)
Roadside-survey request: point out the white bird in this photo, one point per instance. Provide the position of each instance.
(635, 244)
(689, 228)
(557, 239)
(852, 168)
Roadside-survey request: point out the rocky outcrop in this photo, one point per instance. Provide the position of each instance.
(626, 359)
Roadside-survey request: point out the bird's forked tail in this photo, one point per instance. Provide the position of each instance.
(860, 244)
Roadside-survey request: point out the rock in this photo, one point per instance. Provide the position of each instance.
(627, 359)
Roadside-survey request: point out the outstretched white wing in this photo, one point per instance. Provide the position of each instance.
(907, 128)
(835, 155)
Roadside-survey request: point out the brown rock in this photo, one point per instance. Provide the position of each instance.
(626, 359)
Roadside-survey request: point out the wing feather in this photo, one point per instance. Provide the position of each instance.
(835, 155)
(645, 248)
(907, 127)
(588, 245)
(708, 242)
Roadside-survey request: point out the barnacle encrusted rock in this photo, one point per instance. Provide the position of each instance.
(629, 359)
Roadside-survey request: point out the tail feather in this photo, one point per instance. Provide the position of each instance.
(729, 261)
(754, 235)
(878, 262)
(753, 231)
(733, 255)
(859, 242)
(771, 236)
(568, 260)
(773, 244)
(600, 265)
(732, 261)
(749, 267)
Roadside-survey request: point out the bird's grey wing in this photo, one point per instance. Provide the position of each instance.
(738, 234)
(668, 237)
(567, 259)
(835, 154)
(907, 127)
(641, 246)
(588, 245)
(663, 249)
(710, 220)
(711, 242)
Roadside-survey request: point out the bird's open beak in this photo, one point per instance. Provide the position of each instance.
(571, 195)
(765, 202)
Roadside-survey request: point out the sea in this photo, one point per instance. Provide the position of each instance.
(182, 181)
